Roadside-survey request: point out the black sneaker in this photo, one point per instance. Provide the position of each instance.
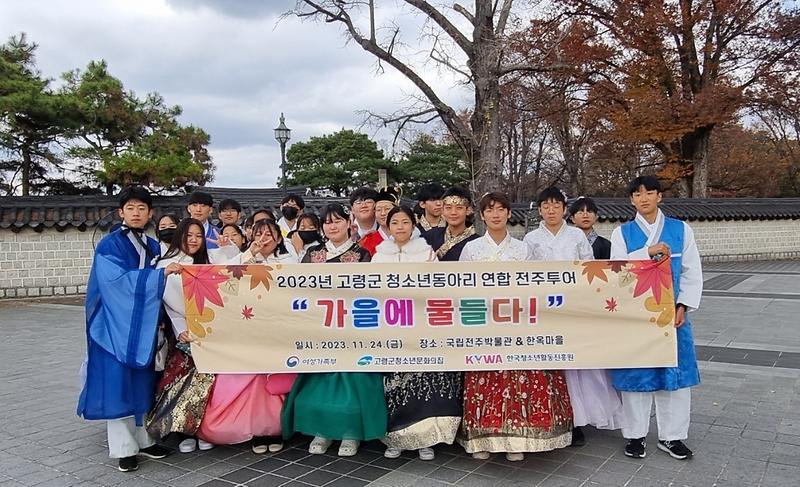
(578, 439)
(676, 449)
(635, 448)
(128, 464)
(154, 451)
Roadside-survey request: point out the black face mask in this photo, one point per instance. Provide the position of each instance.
(308, 236)
(166, 235)
(289, 212)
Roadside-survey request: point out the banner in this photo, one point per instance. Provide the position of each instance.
(442, 316)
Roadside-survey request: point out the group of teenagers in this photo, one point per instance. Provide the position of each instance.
(139, 376)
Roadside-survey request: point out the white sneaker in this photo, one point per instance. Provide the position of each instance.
(204, 445)
(426, 454)
(188, 445)
(392, 452)
(348, 448)
(481, 455)
(515, 457)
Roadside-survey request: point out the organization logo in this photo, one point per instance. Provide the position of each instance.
(292, 362)
(365, 360)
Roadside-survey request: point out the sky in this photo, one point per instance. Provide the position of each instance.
(233, 66)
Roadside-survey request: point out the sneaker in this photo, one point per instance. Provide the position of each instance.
(676, 449)
(128, 464)
(515, 457)
(154, 451)
(392, 452)
(204, 445)
(481, 455)
(188, 445)
(635, 448)
(578, 439)
(427, 454)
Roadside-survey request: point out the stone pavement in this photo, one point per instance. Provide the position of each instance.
(745, 416)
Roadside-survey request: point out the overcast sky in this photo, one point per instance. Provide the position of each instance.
(232, 65)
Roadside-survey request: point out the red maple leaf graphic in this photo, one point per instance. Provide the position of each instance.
(247, 312)
(652, 276)
(201, 283)
(611, 304)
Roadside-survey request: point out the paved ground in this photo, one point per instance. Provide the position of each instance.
(745, 416)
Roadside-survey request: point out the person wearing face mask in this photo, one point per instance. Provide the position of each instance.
(166, 230)
(292, 207)
(307, 234)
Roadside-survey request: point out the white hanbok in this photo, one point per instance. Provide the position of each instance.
(594, 400)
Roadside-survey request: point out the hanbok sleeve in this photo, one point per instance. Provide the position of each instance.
(122, 309)
(691, 279)
(585, 251)
(174, 304)
(223, 255)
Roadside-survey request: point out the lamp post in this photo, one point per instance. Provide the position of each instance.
(282, 135)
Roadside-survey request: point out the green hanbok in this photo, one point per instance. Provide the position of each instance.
(337, 405)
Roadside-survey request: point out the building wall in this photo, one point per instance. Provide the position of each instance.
(45, 264)
(52, 263)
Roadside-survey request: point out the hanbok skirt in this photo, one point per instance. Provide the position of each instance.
(337, 406)
(425, 408)
(181, 397)
(241, 407)
(516, 411)
(594, 400)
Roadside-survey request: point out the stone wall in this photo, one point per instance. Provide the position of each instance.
(45, 264)
(51, 263)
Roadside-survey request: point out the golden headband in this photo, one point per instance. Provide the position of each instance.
(456, 200)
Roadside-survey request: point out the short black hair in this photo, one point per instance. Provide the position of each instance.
(135, 193)
(495, 197)
(430, 191)
(202, 198)
(551, 193)
(582, 203)
(229, 203)
(312, 217)
(401, 209)
(294, 197)
(363, 193)
(650, 183)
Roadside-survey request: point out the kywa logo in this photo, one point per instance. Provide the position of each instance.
(487, 358)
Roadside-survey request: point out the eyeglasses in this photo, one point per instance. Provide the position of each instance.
(363, 202)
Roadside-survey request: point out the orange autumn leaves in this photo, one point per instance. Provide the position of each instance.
(649, 277)
(201, 285)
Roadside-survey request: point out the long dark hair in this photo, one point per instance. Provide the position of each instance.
(179, 242)
(275, 231)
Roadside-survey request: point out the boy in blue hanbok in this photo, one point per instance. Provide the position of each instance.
(123, 302)
(652, 235)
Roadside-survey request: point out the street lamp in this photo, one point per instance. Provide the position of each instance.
(282, 135)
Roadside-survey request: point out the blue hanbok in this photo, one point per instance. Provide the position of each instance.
(123, 302)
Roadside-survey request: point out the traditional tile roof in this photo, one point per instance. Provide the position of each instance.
(83, 212)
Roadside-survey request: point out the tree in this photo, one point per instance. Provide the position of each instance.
(476, 57)
(32, 120)
(122, 139)
(339, 162)
(681, 68)
(426, 161)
